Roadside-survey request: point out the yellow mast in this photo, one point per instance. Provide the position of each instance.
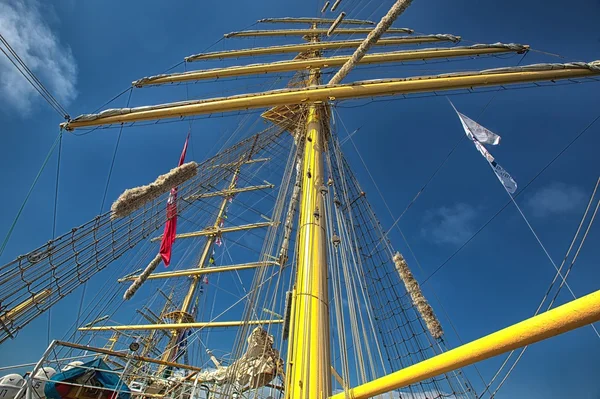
(308, 363)
(308, 373)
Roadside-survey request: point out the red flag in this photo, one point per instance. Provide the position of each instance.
(171, 226)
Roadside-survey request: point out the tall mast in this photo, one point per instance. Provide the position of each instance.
(308, 363)
(183, 314)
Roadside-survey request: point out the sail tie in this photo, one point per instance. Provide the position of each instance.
(413, 288)
(137, 283)
(134, 198)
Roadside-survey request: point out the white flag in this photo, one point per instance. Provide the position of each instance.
(509, 183)
(479, 135)
(483, 151)
(474, 129)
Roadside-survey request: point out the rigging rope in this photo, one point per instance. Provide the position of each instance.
(404, 335)
(425, 311)
(515, 196)
(32, 79)
(54, 225)
(522, 351)
(436, 171)
(73, 258)
(112, 163)
(35, 180)
(543, 248)
(549, 306)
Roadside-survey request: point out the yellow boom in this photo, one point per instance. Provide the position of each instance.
(340, 44)
(302, 64)
(309, 32)
(420, 84)
(318, 21)
(572, 315)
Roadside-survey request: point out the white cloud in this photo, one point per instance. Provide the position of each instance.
(555, 199)
(450, 225)
(23, 25)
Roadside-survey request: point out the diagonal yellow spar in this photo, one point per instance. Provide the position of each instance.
(309, 32)
(572, 315)
(302, 64)
(334, 45)
(419, 84)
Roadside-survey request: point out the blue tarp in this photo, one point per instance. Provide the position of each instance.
(108, 380)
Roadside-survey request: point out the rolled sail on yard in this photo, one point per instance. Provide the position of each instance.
(135, 198)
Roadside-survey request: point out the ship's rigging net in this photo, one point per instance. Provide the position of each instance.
(375, 325)
(34, 282)
(403, 333)
(257, 362)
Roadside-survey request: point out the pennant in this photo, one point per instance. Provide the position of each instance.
(478, 135)
(509, 183)
(221, 222)
(195, 308)
(218, 241)
(168, 238)
(205, 281)
(230, 199)
(474, 129)
(483, 151)
(211, 261)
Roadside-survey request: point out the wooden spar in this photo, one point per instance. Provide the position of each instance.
(181, 326)
(217, 231)
(318, 21)
(35, 300)
(335, 5)
(228, 193)
(336, 23)
(125, 355)
(334, 45)
(302, 64)
(313, 32)
(420, 84)
(206, 270)
(324, 7)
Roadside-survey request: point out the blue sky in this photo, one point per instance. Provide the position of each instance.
(86, 52)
